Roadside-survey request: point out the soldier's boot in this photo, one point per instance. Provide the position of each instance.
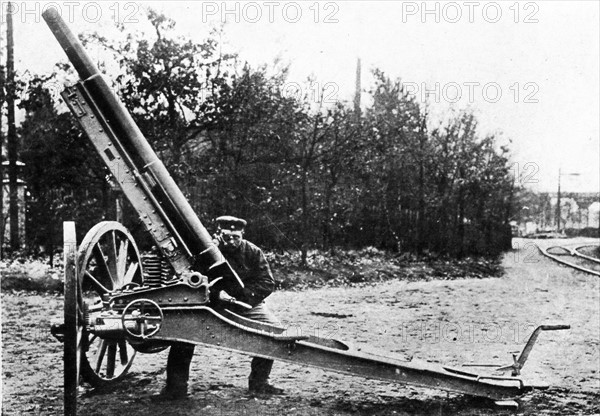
(178, 372)
(258, 382)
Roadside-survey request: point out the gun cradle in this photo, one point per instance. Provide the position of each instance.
(137, 189)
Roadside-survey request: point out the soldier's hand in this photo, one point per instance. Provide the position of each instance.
(217, 239)
(227, 298)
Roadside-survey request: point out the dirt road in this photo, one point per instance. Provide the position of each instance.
(452, 322)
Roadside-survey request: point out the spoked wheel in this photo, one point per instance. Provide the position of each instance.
(108, 260)
(74, 327)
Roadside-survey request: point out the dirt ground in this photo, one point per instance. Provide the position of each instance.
(452, 322)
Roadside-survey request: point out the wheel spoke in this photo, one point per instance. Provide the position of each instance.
(133, 268)
(79, 348)
(100, 355)
(112, 258)
(79, 337)
(78, 365)
(122, 258)
(99, 255)
(80, 313)
(111, 357)
(123, 352)
(97, 285)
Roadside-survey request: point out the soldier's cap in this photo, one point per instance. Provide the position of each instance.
(229, 223)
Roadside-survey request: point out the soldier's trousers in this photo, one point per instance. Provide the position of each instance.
(180, 355)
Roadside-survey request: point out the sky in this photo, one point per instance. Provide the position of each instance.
(529, 70)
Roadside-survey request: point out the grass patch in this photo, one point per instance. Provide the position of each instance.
(30, 274)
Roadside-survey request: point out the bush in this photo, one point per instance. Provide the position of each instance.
(30, 274)
(323, 269)
(583, 232)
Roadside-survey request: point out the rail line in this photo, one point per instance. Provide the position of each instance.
(578, 260)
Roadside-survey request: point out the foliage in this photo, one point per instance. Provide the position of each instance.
(304, 175)
(30, 273)
(63, 182)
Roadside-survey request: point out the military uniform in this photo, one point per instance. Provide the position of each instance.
(252, 267)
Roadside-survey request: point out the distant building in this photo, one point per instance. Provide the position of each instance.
(578, 211)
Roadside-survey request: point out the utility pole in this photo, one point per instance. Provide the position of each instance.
(12, 132)
(558, 212)
(2, 98)
(558, 205)
(357, 92)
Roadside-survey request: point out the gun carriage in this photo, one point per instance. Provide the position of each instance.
(118, 303)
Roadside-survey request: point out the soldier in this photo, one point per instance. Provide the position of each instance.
(251, 265)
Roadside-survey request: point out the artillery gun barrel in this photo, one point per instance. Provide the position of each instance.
(196, 238)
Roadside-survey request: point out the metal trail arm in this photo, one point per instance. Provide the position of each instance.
(223, 329)
(161, 205)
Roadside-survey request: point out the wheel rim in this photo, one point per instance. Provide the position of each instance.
(73, 320)
(108, 261)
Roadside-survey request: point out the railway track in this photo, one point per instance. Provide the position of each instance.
(573, 257)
